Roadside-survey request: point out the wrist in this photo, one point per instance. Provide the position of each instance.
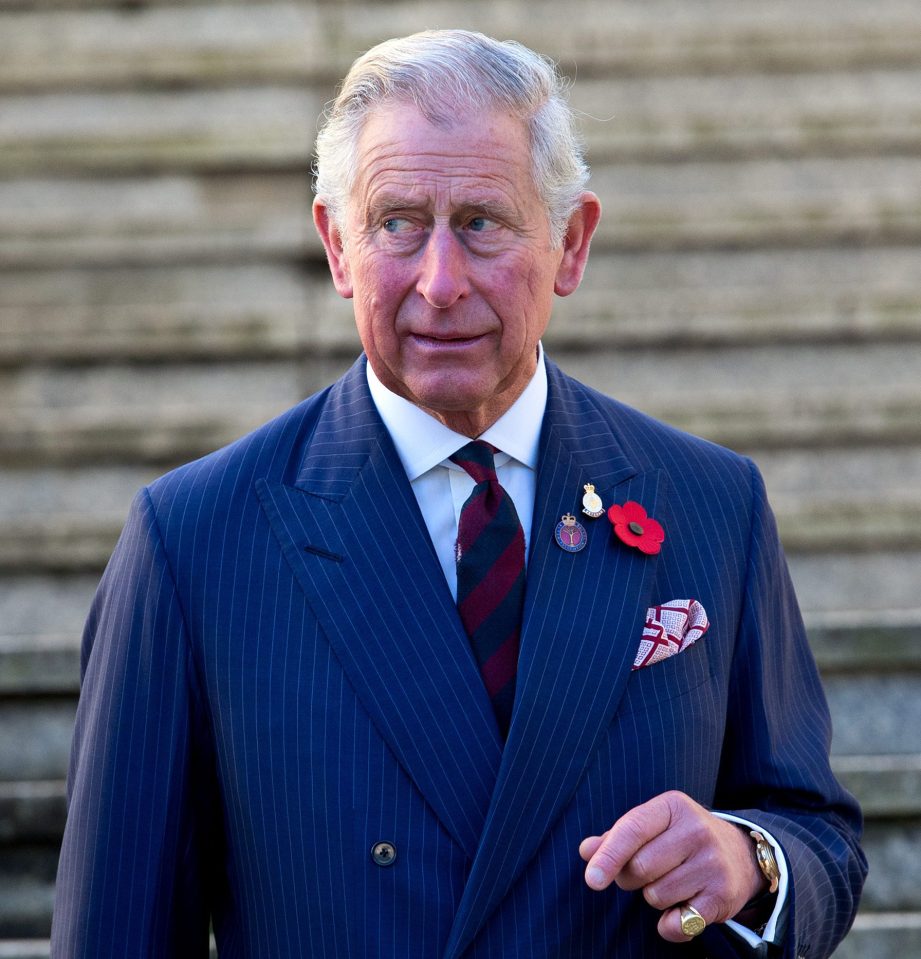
(765, 862)
(765, 876)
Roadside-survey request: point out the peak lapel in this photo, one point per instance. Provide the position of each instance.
(583, 618)
(351, 530)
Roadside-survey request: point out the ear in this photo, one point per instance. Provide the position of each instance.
(576, 244)
(335, 249)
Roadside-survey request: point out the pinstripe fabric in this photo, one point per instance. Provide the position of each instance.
(275, 678)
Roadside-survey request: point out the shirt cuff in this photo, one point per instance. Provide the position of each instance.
(772, 933)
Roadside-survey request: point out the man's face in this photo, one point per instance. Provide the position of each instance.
(446, 251)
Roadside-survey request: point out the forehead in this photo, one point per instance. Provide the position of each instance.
(485, 152)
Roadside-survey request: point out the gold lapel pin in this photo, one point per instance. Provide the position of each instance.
(591, 502)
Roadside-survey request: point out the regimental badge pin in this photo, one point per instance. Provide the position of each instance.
(570, 534)
(591, 502)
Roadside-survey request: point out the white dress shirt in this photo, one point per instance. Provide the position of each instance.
(442, 487)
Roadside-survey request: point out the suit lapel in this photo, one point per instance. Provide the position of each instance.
(350, 528)
(582, 622)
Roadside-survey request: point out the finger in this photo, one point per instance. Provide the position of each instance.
(675, 864)
(709, 876)
(669, 925)
(589, 845)
(662, 868)
(712, 902)
(673, 887)
(624, 839)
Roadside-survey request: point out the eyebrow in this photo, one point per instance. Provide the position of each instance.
(496, 210)
(383, 203)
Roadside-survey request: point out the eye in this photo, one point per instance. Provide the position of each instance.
(481, 224)
(396, 224)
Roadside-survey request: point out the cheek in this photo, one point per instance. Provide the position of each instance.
(382, 287)
(523, 298)
(524, 282)
(376, 319)
(541, 280)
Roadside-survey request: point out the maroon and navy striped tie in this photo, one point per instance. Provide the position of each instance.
(490, 577)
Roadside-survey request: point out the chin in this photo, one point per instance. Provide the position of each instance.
(452, 395)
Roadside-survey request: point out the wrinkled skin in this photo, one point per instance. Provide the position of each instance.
(446, 252)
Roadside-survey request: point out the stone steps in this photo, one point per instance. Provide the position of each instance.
(27, 890)
(760, 203)
(888, 787)
(626, 120)
(40, 949)
(77, 542)
(886, 650)
(45, 604)
(102, 493)
(871, 668)
(165, 219)
(38, 729)
(686, 118)
(885, 927)
(755, 280)
(27, 870)
(37, 734)
(239, 311)
(179, 218)
(38, 689)
(880, 584)
(48, 44)
(25, 949)
(251, 128)
(31, 810)
(881, 372)
(40, 664)
(875, 935)
(815, 380)
(274, 310)
(883, 934)
(810, 420)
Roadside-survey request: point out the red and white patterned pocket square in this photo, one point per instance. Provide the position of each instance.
(670, 628)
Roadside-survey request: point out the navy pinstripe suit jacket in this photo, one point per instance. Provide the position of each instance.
(276, 678)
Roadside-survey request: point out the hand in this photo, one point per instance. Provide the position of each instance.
(676, 852)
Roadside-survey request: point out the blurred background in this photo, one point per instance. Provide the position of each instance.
(757, 280)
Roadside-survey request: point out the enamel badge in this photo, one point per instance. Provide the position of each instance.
(570, 534)
(591, 502)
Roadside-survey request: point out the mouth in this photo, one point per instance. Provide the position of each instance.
(446, 341)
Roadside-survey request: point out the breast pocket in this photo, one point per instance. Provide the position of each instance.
(648, 688)
(669, 727)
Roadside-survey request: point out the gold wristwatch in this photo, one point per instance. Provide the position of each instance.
(764, 855)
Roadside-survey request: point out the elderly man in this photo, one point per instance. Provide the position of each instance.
(457, 657)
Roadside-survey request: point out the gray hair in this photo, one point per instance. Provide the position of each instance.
(442, 72)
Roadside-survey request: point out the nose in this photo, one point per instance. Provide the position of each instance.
(443, 274)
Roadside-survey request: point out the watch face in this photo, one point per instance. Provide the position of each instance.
(766, 861)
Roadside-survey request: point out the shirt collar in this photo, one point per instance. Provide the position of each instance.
(422, 441)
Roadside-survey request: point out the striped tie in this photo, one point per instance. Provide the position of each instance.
(490, 577)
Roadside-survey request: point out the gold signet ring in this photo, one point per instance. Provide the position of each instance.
(692, 922)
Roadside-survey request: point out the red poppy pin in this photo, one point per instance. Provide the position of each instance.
(635, 528)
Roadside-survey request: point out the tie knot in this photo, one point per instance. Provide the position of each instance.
(477, 459)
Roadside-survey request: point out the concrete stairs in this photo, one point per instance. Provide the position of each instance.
(757, 279)
(870, 670)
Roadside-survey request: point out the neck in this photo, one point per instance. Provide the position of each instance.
(474, 423)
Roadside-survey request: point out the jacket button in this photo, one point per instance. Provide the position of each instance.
(384, 853)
